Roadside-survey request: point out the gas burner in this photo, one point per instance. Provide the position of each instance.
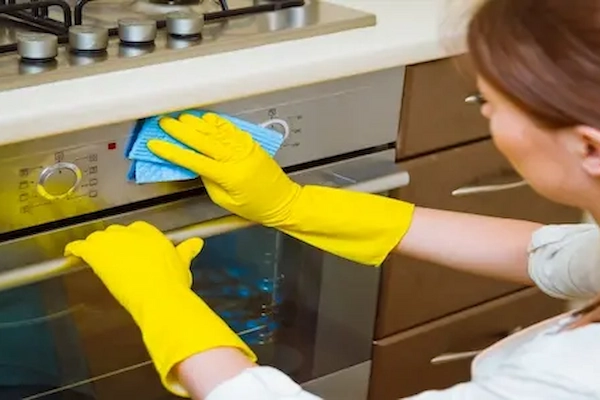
(37, 47)
(47, 40)
(55, 17)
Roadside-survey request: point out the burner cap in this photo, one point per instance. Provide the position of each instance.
(137, 31)
(37, 47)
(88, 38)
(185, 24)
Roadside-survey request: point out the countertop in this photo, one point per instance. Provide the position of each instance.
(407, 32)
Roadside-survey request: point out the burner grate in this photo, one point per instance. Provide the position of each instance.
(34, 15)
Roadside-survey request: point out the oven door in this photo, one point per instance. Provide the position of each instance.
(307, 312)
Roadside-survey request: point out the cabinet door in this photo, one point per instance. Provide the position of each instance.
(439, 354)
(414, 292)
(434, 112)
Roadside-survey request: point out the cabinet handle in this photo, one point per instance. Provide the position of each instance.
(464, 355)
(468, 190)
(476, 99)
(451, 357)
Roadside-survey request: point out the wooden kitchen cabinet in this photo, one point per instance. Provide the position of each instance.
(402, 363)
(434, 113)
(438, 290)
(425, 309)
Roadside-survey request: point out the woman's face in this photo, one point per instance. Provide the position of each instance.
(545, 159)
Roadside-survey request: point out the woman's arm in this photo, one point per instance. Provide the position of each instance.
(203, 372)
(495, 247)
(360, 227)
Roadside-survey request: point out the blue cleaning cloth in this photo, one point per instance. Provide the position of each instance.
(148, 168)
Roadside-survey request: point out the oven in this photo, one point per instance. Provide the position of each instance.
(307, 312)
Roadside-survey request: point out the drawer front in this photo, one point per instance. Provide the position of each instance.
(410, 362)
(434, 113)
(439, 290)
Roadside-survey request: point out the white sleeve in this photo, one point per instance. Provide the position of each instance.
(564, 260)
(463, 391)
(260, 383)
(512, 386)
(556, 367)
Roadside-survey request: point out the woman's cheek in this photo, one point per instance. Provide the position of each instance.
(499, 135)
(506, 140)
(486, 111)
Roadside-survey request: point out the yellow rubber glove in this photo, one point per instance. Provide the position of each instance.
(151, 278)
(241, 177)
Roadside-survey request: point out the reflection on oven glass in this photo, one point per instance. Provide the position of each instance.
(250, 281)
(68, 339)
(243, 291)
(29, 361)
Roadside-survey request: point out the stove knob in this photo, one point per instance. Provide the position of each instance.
(137, 31)
(58, 181)
(37, 47)
(185, 24)
(86, 38)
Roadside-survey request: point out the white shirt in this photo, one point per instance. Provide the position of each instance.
(543, 362)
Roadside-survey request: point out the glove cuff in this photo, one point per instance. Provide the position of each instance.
(179, 325)
(360, 227)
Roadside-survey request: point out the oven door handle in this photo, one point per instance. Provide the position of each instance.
(379, 178)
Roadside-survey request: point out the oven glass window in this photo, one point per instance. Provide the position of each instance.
(302, 311)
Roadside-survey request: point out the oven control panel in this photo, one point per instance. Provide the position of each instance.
(64, 175)
(74, 180)
(85, 171)
(58, 181)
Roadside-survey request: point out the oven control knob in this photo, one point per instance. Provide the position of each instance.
(37, 47)
(59, 180)
(87, 38)
(137, 31)
(185, 24)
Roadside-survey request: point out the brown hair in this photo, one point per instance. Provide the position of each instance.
(543, 55)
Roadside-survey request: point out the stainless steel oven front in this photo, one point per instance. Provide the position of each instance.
(309, 313)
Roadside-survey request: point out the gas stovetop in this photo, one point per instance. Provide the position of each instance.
(48, 40)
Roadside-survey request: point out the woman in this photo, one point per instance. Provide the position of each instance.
(538, 68)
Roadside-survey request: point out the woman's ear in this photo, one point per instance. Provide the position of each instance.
(589, 149)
